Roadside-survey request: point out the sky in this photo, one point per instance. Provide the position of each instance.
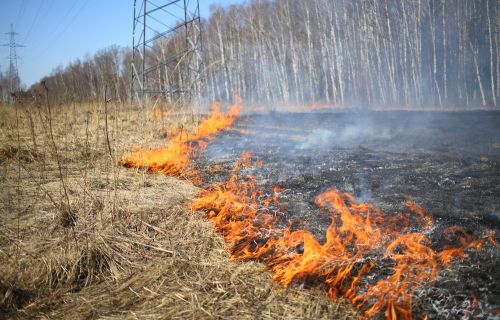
(57, 32)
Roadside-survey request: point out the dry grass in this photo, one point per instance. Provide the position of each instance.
(82, 238)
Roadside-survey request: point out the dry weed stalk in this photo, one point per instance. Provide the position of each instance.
(156, 260)
(67, 216)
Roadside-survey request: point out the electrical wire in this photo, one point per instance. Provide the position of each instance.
(34, 20)
(57, 31)
(20, 13)
(71, 21)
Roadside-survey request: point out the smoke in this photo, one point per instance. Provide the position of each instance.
(355, 134)
(323, 133)
(318, 138)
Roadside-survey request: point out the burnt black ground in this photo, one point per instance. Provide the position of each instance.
(447, 162)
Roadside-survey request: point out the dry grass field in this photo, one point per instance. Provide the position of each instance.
(83, 238)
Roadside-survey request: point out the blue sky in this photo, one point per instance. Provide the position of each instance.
(56, 32)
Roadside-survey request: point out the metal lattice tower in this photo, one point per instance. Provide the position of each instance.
(166, 50)
(14, 81)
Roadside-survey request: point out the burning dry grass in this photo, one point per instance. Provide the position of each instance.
(359, 237)
(174, 157)
(80, 237)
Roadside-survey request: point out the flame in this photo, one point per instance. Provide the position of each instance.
(317, 106)
(174, 157)
(490, 236)
(360, 240)
(359, 236)
(216, 121)
(158, 114)
(474, 302)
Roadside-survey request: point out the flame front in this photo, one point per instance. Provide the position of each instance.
(360, 240)
(359, 235)
(174, 157)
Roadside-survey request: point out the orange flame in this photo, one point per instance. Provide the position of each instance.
(158, 114)
(359, 233)
(174, 157)
(490, 236)
(344, 262)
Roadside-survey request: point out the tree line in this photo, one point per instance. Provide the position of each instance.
(362, 53)
(6, 85)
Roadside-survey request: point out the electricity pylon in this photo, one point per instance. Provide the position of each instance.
(14, 80)
(166, 50)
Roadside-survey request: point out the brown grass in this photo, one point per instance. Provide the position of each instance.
(83, 238)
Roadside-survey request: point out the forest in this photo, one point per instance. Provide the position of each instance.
(362, 53)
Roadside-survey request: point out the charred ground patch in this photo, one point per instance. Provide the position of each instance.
(447, 162)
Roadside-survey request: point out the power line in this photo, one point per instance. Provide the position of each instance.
(54, 31)
(20, 13)
(70, 22)
(34, 20)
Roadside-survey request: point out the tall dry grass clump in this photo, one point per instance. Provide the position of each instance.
(83, 238)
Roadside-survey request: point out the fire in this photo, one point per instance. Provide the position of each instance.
(491, 238)
(174, 157)
(359, 237)
(360, 240)
(170, 159)
(316, 107)
(158, 114)
(216, 121)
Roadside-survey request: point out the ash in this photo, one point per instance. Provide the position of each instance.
(447, 162)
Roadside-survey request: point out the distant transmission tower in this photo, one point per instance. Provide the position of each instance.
(166, 50)
(14, 80)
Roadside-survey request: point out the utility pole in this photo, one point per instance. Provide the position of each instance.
(14, 81)
(166, 51)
